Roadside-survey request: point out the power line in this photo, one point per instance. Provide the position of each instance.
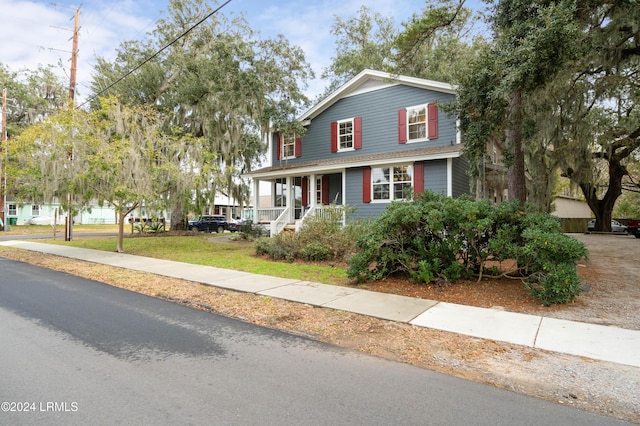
(128, 73)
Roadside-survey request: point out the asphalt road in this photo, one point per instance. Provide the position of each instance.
(74, 351)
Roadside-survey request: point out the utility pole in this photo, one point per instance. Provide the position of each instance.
(3, 160)
(68, 224)
(74, 55)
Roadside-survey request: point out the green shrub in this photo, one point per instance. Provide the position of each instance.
(249, 231)
(320, 238)
(263, 246)
(314, 250)
(284, 247)
(557, 284)
(446, 238)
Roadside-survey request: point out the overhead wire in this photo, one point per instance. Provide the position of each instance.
(137, 67)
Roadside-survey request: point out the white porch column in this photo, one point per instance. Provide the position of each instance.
(449, 177)
(290, 199)
(343, 198)
(312, 191)
(256, 199)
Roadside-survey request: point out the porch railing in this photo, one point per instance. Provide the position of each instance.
(325, 212)
(266, 215)
(279, 223)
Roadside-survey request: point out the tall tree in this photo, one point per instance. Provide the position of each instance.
(129, 160)
(33, 95)
(220, 82)
(438, 42)
(533, 40)
(115, 155)
(363, 41)
(606, 93)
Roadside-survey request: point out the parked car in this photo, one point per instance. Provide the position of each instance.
(615, 226)
(633, 228)
(235, 224)
(208, 223)
(40, 220)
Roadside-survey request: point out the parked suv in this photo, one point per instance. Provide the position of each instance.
(209, 223)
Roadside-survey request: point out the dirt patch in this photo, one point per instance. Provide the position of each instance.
(613, 298)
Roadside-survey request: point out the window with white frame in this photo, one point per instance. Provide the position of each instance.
(417, 122)
(288, 147)
(319, 191)
(345, 135)
(35, 210)
(13, 210)
(391, 183)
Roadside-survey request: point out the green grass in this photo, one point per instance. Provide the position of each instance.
(204, 250)
(48, 229)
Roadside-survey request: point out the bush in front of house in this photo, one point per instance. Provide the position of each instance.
(322, 237)
(437, 237)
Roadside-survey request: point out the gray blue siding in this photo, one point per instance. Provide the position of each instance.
(461, 180)
(354, 197)
(435, 180)
(435, 176)
(379, 112)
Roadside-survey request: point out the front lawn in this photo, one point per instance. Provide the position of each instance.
(219, 251)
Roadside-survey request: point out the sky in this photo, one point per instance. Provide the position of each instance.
(40, 32)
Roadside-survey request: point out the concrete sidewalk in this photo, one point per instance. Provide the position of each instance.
(589, 340)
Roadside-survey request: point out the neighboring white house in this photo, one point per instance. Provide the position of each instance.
(17, 214)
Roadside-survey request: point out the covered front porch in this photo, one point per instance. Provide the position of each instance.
(294, 198)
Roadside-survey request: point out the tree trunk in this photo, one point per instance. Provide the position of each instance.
(516, 176)
(603, 208)
(120, 245)
(121, 215)
(177, 219)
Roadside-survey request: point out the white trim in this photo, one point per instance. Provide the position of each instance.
(344, 187)
(282, 150)
(269, 136)
(449, 177)
(326, 169)
(313, 189)
(391, 183)
(356, 82)
(426, 123)
(353, 134)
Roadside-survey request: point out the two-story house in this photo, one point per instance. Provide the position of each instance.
(376, 139)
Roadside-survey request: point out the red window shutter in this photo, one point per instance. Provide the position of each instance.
(278, 146)
(357, 133)
(305, 191)
(432, 113)
(366, 184)
(418, 177)
(334, 136)
(325, 190)
(402, 125)
(298, 147)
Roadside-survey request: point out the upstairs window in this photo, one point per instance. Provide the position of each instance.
(418, 123)
(288, 146)
(346, 135)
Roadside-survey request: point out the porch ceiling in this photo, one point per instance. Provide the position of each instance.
(341, 162)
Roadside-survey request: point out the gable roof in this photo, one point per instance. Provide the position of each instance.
(369, 80)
